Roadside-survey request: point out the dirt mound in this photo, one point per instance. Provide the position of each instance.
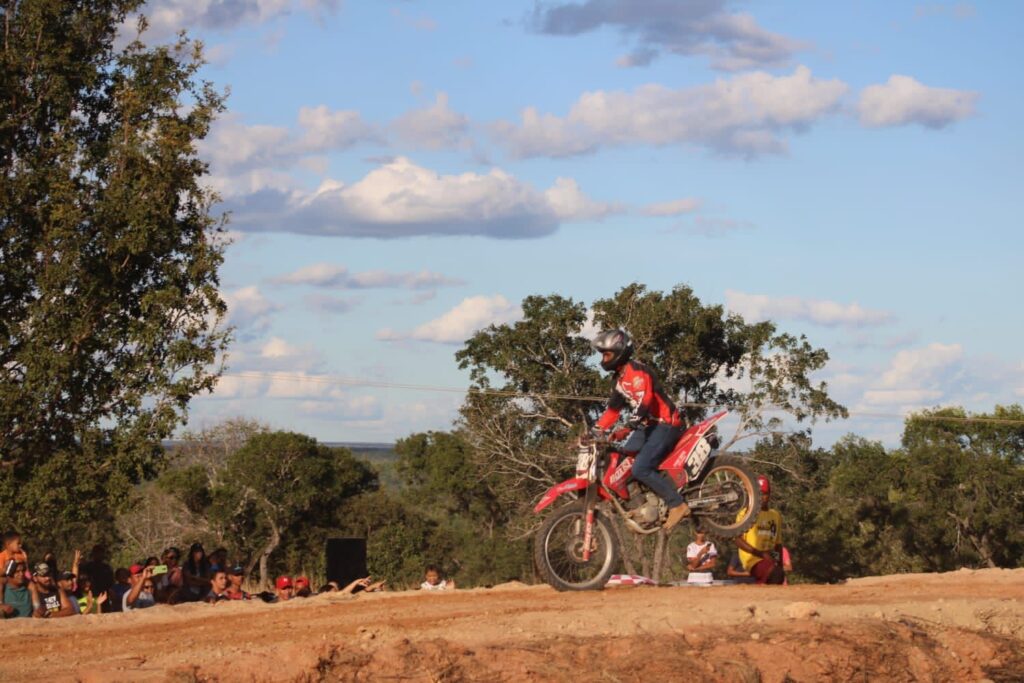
(949, 627)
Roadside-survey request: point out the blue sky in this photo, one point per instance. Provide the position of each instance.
(402, 173)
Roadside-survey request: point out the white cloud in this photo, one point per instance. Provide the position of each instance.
(746, 114)
(461, 322)
(675, 207)
(234, 147)
(400, 199)
(903, 100)
(819, 311)
(732, 40)
(434, 127)
(338, 277)
(332, 304)
(167, 17)
(248, 310)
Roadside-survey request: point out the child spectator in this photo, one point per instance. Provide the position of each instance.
(736, 572)
(196, 574)
(141, 594)
(17, 599)
(218, 587)
(432, 580)
(88, 601)
(49, 601)
(236, 575)
(122, 584)
(701, 555)
(11, 552)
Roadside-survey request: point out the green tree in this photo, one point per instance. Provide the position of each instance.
(534, 383)
(441, 480)
(109, 310)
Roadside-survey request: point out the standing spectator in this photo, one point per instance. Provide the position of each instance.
(284, 588)
(169, 584)
(236, 575)
(196, 574)
(760, 545)
(122, 584)
(67, 582)
(218, 587)
(141, 594)
(219, 560)
(11, 552)
(432, 580)
(701, 555)
(48, 599)
(101, 573)
(17, 599)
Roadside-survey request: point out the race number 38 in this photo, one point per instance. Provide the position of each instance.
(698, 458)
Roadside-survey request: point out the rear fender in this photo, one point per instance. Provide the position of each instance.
(557, 490)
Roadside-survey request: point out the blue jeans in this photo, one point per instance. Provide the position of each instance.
(654, 443)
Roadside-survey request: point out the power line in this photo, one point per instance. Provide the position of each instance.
(380, 384)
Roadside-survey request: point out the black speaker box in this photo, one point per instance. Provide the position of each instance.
(346, 560)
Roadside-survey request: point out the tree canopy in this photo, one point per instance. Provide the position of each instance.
(110, 316)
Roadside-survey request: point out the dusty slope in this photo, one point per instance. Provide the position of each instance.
(966, 625)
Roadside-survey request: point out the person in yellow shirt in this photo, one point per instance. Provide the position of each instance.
(760, 547)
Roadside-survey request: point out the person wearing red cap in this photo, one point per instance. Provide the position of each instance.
(141, 594)
(302, 588)
(285, 589)
(762, 544)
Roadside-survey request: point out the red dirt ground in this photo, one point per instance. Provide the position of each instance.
(960, 626)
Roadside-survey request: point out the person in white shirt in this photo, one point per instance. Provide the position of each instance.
(701, 555)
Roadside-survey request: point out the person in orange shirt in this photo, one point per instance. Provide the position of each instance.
(12, 553)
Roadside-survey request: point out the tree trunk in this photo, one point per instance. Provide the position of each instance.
(627, 560)
(659, 555)
(275, 540)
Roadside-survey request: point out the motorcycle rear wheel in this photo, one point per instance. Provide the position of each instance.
(558, 545)
(728, 475)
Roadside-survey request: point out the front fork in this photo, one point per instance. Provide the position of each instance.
(589, 503)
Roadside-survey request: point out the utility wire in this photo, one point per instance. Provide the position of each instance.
(379, 384)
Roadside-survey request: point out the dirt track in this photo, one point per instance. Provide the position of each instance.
(966, 625)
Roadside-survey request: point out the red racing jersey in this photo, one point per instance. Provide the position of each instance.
(637, 387)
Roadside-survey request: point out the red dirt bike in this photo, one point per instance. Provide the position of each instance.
(576, 549)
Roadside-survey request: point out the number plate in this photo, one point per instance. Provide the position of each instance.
(698, 458)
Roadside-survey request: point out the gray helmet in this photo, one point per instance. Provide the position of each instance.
(617, 341)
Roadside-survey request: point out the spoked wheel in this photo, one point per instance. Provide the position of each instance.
(558, 550)
(727, 500)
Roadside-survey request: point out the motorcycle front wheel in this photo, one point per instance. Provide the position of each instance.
(558, 550)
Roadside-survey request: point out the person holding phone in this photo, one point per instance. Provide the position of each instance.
(701, 555)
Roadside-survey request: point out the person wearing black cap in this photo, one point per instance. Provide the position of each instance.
(66, 582)
(49, 601)
(236, 575)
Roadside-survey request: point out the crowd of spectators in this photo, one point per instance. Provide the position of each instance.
(42, 590)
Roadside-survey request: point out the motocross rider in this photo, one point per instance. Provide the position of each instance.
(656, 424)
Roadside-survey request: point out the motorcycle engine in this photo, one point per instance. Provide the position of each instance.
(644, 506)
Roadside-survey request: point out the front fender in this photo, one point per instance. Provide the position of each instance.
(557, 490)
